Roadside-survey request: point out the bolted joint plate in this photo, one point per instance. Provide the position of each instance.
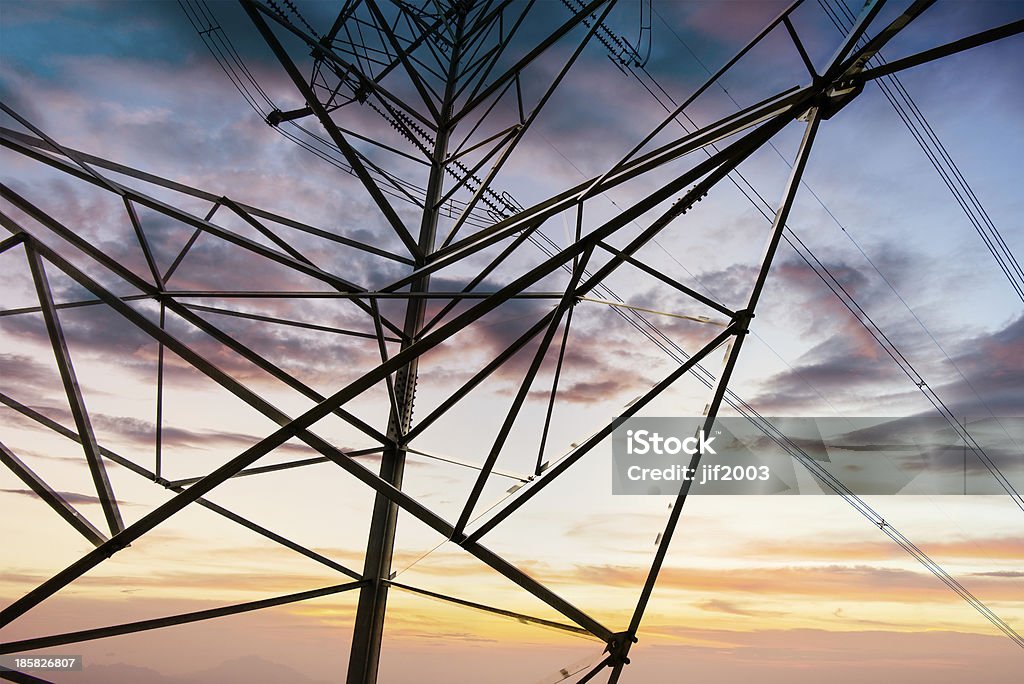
(834, 98)
(618, 648)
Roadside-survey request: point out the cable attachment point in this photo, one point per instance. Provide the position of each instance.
(686, 202)
(276, 117)
(618, 648)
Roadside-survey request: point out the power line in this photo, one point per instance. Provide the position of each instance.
(884, 341)
(923, 133)
(764, 205)
(223, 51)
(645, 327)
(844, 295)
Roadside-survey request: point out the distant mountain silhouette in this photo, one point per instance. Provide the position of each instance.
(249, 669)
(120, 673)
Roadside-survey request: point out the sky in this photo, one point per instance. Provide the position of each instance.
(790, 589)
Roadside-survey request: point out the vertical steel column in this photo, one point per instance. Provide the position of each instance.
(367, 636)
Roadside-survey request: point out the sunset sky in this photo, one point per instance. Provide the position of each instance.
(787, 589)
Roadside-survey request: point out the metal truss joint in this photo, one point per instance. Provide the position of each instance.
(363, 90)
(834, 98)
(686, 202)
(618, 648)
(460, 8)
(115, 546)
(741, 321)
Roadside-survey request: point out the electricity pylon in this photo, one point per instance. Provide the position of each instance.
(425, 105)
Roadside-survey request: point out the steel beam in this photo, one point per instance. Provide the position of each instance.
(354, 160)
(32, 147)
(50, 497)
(299, 428)
(153, 477)
(564, 306)
(518, 617)
(528, 58)
(159, 334)
(972, 41)
(399, 370)
(97, 469)
(525, 125)
(861, 56)
(620, 647)
(22, 678)
(595, 439)
(171, 620)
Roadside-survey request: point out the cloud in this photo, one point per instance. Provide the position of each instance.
(597, 392)
(265, 581)
(142, 433)
(990, 363)
(835, 368)
(22, 370)
(841, 368)
(731, 608)
(847, 364)
(839, 582)
(95, 330)
(99, 333)
(846, 656)
(590, 375)
(738, 22)
(72, 498)
(994, 547)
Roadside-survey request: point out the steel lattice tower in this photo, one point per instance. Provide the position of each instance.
(424, 104)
